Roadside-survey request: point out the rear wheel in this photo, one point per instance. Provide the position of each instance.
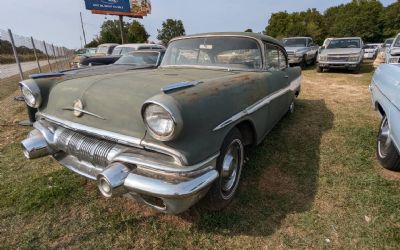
(229, 167)
(387, 153)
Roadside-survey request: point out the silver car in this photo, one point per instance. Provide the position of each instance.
(393, 52)
(341, 53)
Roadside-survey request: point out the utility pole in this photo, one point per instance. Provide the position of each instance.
(83, 29)
(121, 26)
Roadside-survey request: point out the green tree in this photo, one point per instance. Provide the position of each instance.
(110, 31)
(137, 33)
(358, 18)
(170, 29)
(390, 19)
(93, 44)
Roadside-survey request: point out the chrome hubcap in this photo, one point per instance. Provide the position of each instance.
(291, 107)
(231, 168)
(384, 140)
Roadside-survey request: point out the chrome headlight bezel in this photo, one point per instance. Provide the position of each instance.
(322, 58)
(170, 114)
(354, 58)
(32, 94)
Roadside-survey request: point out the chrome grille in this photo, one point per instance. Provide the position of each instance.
(338, 58)
(85, 148)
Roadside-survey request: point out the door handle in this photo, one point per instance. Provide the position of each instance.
(286, 76)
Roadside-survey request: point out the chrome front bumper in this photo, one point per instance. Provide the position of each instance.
(339, 65)
(153, 178)
(295, 59)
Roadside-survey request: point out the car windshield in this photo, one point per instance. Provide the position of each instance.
(344, 43)
(122, 50)
(223, 52)
(369, 46)
(389, 42)
(139, 58)
(397, 43)
(295, 42)
(102, 49)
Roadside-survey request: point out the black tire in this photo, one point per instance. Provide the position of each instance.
(320, 69)
(386, 151)
(303, 63)
(218, 197)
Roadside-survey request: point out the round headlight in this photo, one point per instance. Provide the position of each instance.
(31, 95)
(159, 121)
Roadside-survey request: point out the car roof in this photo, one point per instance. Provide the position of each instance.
(238, 34)
(296, 37)
(340, 38)
(108, 44)
(136, 45)
(148, 50)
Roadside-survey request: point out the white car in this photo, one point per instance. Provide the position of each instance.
(393, 52)
(131, 47)
(371, 50)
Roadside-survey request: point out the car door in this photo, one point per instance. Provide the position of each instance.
(277, 82)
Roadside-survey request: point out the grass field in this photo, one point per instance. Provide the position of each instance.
(313, 184)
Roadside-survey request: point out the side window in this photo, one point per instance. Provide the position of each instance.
(271, 58)
(282, 60)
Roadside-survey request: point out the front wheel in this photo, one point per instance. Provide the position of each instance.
(229, 167)
(303, 63)
(387, 153)
(320, 69)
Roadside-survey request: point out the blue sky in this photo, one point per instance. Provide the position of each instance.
(57, 21)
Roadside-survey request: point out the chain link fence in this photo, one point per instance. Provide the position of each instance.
(19, 54)
(22, 55)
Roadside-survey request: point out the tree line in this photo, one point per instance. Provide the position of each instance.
(135, 32)
(368, 19)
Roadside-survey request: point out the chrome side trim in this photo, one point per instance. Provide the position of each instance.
(179, 85)
(121, 139)
(259, 104)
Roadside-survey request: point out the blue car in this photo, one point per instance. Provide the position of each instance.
(385, 91)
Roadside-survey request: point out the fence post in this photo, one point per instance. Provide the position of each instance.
(31, 111)
(37, 59)
(55, 58)
(47, 55)
(21, 73)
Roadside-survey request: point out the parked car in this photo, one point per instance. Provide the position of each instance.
(385, 91)
(371, 50)
(142, 59)
(172, 136)
(393, 51)
(117, 53)
(341, 53)
(301, 50)
(126, 48)
(388, 42)
(106, 49)
(81, 54)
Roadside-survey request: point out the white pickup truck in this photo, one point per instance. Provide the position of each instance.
(301, 50)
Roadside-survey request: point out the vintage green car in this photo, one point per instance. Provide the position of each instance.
(172, 136)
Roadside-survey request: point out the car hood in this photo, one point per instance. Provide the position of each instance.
(102, 70)
(341, 51)
(116, 99)
(295, 49)
(395, 51)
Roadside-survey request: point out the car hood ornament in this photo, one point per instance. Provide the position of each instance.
(78, 109)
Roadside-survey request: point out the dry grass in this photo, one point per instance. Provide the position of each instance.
(313, 183)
